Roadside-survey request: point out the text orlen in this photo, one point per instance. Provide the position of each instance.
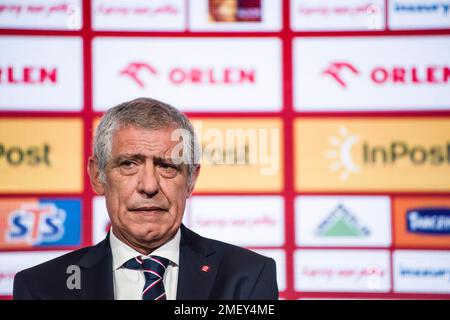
(28, 75)
(413, 75)
(211, 76)
(395, 75)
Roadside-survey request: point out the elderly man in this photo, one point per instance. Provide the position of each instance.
(146, 177)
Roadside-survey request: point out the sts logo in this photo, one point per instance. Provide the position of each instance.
(39, 223)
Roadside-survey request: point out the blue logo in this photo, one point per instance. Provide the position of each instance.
(424, 7)
(434, 221)
(47, 222)
(443, 273)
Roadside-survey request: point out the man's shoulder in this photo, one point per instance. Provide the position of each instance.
(57, 265)
(235, 251)
(48, 280)
(240, 272)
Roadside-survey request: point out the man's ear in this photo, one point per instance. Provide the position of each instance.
(193, 180)
(94, 175)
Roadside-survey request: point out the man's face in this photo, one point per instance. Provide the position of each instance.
(145, 190)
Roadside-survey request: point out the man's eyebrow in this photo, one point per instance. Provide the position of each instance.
(139, 156)
(124, 156)
(162, 159)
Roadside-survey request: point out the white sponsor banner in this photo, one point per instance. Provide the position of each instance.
(100, 220)
(195, 74)
(41, 14)
(139, 15)
(342, 270)
(421, 271)
(240, 220)
(343, 221)
(13, 262)
(280, 260)
(40, 73)
(263, 15)
(381, 73)
(419, 14)
(337, 15)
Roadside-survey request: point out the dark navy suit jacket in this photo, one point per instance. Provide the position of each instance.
(234, 273)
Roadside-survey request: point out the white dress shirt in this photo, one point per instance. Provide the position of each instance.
(129, 283)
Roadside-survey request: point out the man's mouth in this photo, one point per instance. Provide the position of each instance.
(149, 209)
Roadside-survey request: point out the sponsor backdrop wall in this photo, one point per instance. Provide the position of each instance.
(325, 127)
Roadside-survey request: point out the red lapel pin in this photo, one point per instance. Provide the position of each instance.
(205, 268)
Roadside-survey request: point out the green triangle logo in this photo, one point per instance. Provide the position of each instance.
(341, 223)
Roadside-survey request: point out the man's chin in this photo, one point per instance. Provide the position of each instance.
(151, 237)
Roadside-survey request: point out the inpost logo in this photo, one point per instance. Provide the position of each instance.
(34, 155)
(376, 154)
(40, 155)
(373, 154)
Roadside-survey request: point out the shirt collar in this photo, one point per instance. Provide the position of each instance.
(121, 252)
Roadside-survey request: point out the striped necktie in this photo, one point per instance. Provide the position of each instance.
(153, 268)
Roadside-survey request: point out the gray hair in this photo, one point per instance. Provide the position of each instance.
(145, 113)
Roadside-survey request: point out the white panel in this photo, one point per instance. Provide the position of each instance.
(422, 271)
(343, 221)
(381, 73)
(41, 14)
(342, 270)
(206, 74)
(337, 15)
(100, 220)
(40, 73)
(241, 220)
(139, 15)
(419, 14)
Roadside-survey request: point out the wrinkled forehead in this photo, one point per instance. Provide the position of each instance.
(125, 135)
(165, 142)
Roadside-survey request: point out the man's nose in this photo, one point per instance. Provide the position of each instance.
(148, 184)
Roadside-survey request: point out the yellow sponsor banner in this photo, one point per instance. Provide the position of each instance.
(240, 154)
(41, 155)
(378, 154)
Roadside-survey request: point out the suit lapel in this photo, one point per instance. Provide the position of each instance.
(96, 273)
(198, 267)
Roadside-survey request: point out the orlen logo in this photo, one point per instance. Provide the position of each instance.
(387, 155)
(36, 224)
(435, 221)
(133, 69)
(28, 75)
(337, 69)
(342, 72)
(197, 76)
